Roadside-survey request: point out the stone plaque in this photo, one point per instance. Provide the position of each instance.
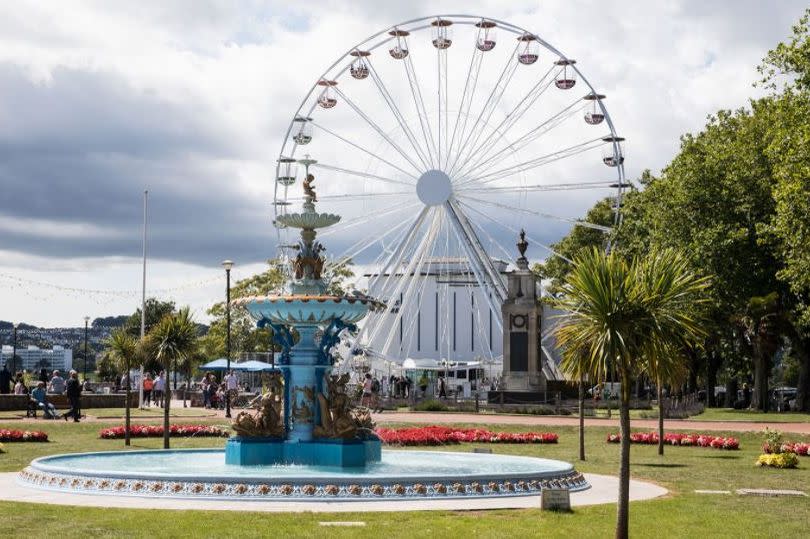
(556, 499)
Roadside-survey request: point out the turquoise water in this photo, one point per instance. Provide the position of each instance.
(211, 463)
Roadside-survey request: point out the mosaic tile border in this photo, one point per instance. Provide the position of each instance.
(313, 490)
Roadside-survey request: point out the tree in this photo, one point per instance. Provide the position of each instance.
(156, 310)
(667, 279)
(172, 341)
(616, 315)
(122, 348)
(761, 327)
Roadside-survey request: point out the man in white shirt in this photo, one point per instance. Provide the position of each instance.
(159, 387)
(231, 385)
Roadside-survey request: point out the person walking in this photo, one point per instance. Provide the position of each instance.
(442, 388)
(159, 388)
(5, 380)
(367, 384)
(73, 390)
(148, 385)
(232, 385)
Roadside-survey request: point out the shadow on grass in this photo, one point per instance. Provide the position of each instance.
(661, 465)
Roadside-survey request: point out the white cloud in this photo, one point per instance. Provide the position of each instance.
(191, 99)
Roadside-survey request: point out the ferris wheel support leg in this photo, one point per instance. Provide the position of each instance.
(486, 274)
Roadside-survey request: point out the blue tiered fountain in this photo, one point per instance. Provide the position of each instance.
(307, 418)
(306, 442)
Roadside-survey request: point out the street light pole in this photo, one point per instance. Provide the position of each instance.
(14, 351)
(86, 320)
(228, 264)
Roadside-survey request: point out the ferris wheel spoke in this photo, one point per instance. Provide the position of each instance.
(466, 99)
(358, 196)
(521, 142)
(365, 243)
(375, 155)
(392, 105)
(405, 287)
(343, 225)
(576, 222)
(537, 162)
(574, 186)
(489, 106)
(421, 111)
(514, 230)
(441, 93)
(378, 129)
(360, 174)
(480, 149)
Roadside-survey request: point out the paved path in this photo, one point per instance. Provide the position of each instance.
(491, 419)
(604, 489)
(554, 421)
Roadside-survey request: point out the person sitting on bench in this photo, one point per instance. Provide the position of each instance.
(41, 396)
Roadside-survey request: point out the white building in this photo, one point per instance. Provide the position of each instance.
(33, 358)
(447, 319)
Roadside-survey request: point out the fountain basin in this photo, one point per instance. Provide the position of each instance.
(307, 309)
(203, 473)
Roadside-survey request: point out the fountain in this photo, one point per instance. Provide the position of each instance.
(319, 425)
(306, 442)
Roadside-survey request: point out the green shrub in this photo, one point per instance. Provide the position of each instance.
(430, 406)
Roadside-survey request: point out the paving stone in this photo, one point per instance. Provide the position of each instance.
(348, 524)
(769, 492)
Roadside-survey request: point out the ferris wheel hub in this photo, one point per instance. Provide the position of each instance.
(434, 188)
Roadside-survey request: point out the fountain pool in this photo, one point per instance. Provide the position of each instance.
(204, 473)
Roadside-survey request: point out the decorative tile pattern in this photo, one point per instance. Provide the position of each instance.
(307, 491)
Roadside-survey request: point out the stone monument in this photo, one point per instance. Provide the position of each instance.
(523, 379)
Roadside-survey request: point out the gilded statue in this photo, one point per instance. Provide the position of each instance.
(309, 190)
(339, 420)
(267, 421)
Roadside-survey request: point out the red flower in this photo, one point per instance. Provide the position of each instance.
(8, 435)
(703, 440)
(156, 431)
(439, 435)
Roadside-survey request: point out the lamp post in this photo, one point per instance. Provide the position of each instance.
(86, 320)
(14, 351)
(227, 264)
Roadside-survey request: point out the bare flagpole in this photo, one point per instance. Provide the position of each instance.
(143, 296)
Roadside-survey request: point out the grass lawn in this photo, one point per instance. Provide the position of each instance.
(681, 514)
(729, 414)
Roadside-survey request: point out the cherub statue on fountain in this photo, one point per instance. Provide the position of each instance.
(267, 422)
(339, 420)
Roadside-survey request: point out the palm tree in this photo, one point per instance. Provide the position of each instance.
(123, 350)
(172, 341)
(617, 313)
(671, 287)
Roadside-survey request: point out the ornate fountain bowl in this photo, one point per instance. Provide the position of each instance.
(308, 220)
(308, 309)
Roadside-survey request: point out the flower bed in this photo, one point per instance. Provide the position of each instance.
(778, 460)
(156, 431)
(675, 438)
(7, 435)
(798, 448)
(436, 435)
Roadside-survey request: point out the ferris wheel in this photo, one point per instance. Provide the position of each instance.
(438, 140)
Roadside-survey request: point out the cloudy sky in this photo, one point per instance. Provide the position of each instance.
(190, 100)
